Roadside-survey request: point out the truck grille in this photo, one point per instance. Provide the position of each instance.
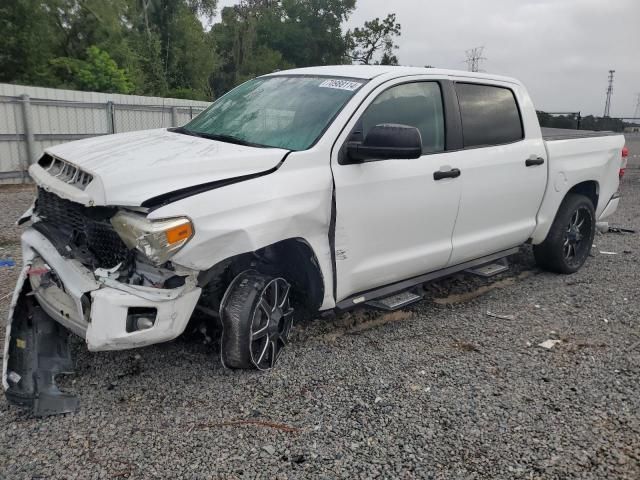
(84, 229)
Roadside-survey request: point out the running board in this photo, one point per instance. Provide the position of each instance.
(388, 290)
(490, 269)
(395, 302)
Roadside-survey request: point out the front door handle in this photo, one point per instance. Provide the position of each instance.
(440, 175)
(532, 162)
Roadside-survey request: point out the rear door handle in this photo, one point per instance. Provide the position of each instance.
(532, 162)
(440, 175)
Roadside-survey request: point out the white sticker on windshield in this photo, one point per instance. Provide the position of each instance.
(341, 85)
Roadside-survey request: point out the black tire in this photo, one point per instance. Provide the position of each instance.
(570, 238)
(256, 321)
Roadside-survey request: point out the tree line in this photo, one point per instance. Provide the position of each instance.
(180, 48)
(575, 121)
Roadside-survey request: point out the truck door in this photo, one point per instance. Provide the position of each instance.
(503, 172)
(393, 219)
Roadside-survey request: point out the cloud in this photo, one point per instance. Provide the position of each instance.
(561, 49)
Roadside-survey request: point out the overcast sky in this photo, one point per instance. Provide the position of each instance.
(561, 49)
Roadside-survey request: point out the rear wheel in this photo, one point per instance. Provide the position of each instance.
(256, 318)
(570, 238)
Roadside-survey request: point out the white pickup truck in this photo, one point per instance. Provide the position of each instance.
(306, 190)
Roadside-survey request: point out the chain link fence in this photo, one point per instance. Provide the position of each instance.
(30, 125)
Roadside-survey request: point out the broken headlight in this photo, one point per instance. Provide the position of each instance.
(158, 240)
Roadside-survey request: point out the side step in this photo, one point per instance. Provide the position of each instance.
(395, 302)
(404, 285)
(490, 269)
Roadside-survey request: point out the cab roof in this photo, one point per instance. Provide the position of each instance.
(367, 72)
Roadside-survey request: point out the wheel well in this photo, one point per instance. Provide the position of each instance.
(293, 259)
(589, 189)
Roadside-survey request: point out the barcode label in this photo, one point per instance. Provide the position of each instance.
(341, 85)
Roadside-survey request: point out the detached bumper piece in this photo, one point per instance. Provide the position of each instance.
(38, 351)
(611, 207)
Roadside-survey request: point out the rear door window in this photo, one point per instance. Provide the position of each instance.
(490, 115)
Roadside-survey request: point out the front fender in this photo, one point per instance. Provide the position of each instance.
(293, 202)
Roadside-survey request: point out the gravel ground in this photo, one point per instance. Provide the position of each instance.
(440, 390)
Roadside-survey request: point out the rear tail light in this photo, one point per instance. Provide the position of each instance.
(623, 165)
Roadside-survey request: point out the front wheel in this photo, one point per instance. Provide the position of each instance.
(256, 319)
(570, 238)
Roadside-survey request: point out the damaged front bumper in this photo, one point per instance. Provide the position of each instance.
(54, 291)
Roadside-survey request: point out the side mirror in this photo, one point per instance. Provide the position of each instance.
(385, 142)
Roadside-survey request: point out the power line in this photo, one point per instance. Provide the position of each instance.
(474, 57)
(607, 105)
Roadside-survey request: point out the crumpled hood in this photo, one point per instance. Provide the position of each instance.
(133, 167)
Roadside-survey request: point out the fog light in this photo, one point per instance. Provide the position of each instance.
(140, 318)
(142, 323)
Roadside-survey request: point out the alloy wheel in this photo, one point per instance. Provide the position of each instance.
(271, 324)
(577, 236)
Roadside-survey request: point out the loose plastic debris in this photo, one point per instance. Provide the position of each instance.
(621, 230)
(502, 317)
(270, 449)
(107, 272)
(549, 344)
(7, 263)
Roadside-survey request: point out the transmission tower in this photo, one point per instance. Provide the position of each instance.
(474, 57)
(607, 105)
(636, 114)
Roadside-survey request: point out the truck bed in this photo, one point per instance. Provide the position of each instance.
(551, 134)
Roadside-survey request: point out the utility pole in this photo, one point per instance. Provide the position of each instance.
(637, 112)
(474, 57)
(607, 105)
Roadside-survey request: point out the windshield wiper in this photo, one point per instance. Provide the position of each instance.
(217, 137)
(183, 131)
